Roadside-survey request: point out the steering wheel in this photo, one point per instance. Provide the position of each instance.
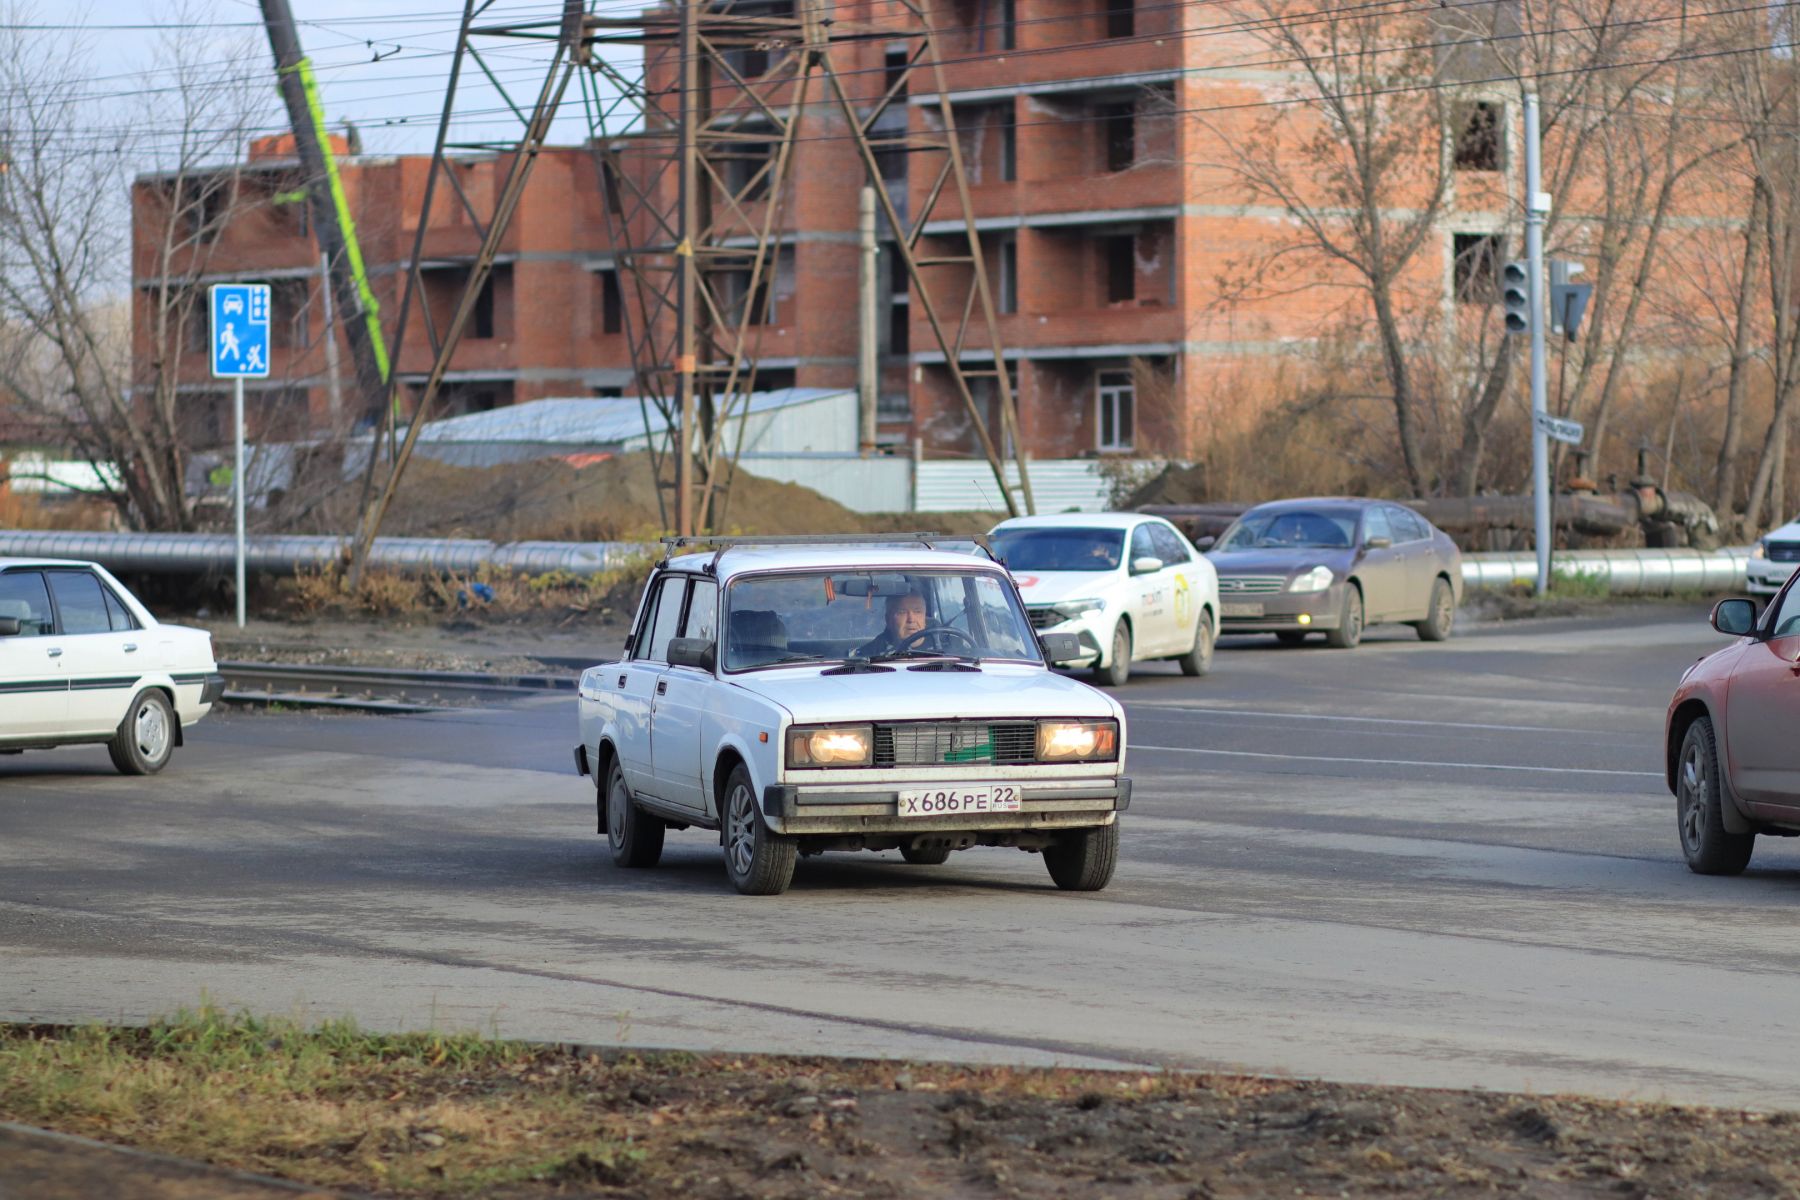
(908, 643)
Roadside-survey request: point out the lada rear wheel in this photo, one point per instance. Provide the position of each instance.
(635, 836)
(1198, 661)
(760, 862)
(146, 737)
(1117, 671)
(1084, 859)
(1709, 847)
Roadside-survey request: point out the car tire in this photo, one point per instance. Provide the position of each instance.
(1349, 631)
(1710, 849)
(1290, 637)
(1199, 660)
(1436, 627)
(1118, 671)
(759, 862)
(146, 737)
(636, 837)
(926, 856)
(1083, 860)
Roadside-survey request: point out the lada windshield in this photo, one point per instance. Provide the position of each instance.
(1292, 529)
(880, 615)
(1072, 549)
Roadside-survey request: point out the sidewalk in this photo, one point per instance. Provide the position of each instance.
(36, 1164)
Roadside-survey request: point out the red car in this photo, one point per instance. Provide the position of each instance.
(1733, 759)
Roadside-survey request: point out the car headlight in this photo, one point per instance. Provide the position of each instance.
(1077, 741)
(830, 746)
(1069, 610)
(1315, 580)
(1760, 550)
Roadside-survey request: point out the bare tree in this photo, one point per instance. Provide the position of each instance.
(66, 250)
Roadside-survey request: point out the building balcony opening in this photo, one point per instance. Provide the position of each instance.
(1477, 128)
(1120, 14)
(612, 301)
(1118, 128)
(1475, 268)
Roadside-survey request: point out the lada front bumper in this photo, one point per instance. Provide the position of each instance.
(833, 808)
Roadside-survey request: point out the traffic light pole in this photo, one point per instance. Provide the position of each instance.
(1537, 208)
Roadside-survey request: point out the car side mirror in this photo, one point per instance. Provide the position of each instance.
(1378, 543)
(1207, 542)
(1736, 616)
(692, 652)
(1060, 647)
(10, 627)
(1146, 565)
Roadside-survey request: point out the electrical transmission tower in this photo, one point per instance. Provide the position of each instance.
(696, 151)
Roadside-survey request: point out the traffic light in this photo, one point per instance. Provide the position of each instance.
(1515, 297)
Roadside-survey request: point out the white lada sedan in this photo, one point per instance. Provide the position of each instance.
(81, 661)
(1129, 587)
(806, 698)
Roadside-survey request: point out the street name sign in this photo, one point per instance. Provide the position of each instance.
(1558, 429)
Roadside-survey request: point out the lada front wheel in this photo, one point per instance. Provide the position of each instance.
(636, 837)
(760, 863)
(1084, 859)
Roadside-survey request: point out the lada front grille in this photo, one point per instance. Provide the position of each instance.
(1250, 585)
(935, 743)
(1784, 551)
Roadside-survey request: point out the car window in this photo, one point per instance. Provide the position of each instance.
(1375, 524)
(1408, 527)
(703, 611)
(1291, 529)
(667, 620)
(80, 602)
(1141, 545)
(117, 613)
(1072, 549)
(23, 595)
(1169, 546)
(1786, 622)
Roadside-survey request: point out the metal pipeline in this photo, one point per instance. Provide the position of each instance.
(1625, 572)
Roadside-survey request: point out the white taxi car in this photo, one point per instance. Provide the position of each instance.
(1774, 558)
(800, 698)
(81, 661)
(1130, 587)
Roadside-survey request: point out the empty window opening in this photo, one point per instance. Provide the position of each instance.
(1119, 18)
(1006, 127)
(1009, 276)
(1477, 136)
(894, 71)
(746, 167)
(1475, 271)
(1116, 415)
(1121, 268)
(612, 303)
(1118, 124)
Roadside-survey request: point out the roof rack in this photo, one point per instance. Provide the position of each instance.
(724, 542)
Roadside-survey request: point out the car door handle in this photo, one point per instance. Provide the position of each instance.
(662, 687)
(131, 647)
(621, 681)
(54, 651)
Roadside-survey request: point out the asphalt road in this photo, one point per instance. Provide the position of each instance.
(1445, 865)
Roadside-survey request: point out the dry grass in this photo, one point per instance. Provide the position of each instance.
(489, 591)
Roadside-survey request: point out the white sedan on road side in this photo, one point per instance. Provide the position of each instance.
(811, 698)
(1130, 587)
(1773, 559)
(81, 661)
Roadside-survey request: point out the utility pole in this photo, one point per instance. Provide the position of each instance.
(1537, 208)
(328, 206)
(334, 388)
(687, 314)
(868, 369)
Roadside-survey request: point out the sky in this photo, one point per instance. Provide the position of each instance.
(381, 64)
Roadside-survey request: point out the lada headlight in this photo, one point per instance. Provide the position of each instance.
(1315, 580)
(831, 746)
(1077, 741)
(1070, 610)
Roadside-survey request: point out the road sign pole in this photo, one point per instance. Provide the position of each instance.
(1536, 209)
(237, 485)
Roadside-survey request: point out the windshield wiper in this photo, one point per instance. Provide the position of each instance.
(952, 663)
(792, 658)
(857, 666)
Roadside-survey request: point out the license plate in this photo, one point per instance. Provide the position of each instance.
(1242, 608)
(957, 801)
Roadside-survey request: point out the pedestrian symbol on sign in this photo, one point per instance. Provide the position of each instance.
(240, 330)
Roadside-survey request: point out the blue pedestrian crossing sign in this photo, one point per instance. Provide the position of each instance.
(240, 330)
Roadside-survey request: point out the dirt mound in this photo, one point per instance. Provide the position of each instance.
(1174, 484)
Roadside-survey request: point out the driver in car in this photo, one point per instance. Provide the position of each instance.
(905, 618)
